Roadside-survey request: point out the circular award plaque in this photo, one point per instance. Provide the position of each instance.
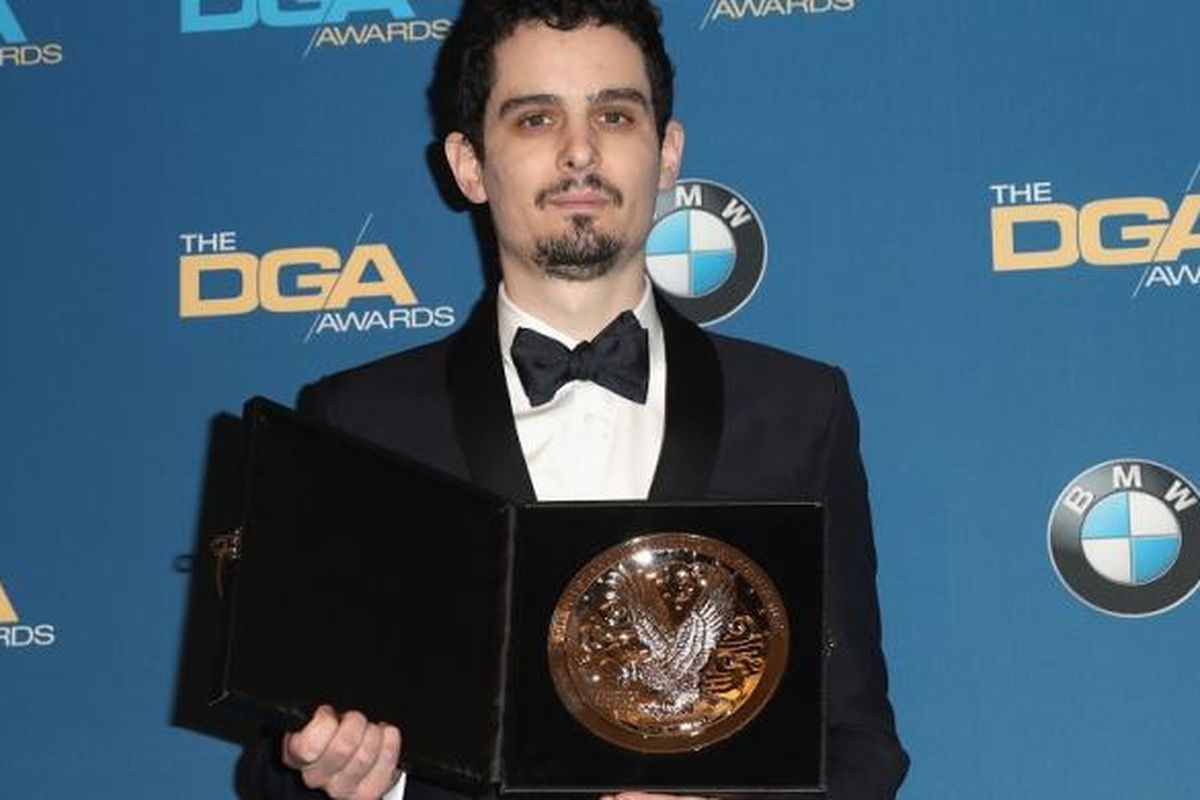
(667, 643)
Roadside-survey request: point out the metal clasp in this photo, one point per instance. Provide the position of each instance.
(225, 548)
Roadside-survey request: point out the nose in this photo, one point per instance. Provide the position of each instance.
(578, 149)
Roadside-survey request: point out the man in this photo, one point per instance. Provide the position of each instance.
(562, 125)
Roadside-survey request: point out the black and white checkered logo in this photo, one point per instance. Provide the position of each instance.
(707, 250)
(1124, 537)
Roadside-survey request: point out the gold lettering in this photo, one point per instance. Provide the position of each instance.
(1182, 234)
(192, 267)
(271, 293)
(1004, 253)
(1091, 220)
(391, 282)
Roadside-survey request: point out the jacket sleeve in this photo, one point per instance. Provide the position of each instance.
(866, 761)
(261, 774)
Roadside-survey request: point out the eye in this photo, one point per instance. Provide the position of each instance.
(615, 119)
(535, 120)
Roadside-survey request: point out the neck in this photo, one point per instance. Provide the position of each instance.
(579, 308)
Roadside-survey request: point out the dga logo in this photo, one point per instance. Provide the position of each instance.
(738, 10)
(15, 48)
(13, 634)
(335, 22)
(1031, 231)
(707, 249)
(364, 292)
(1125, 537)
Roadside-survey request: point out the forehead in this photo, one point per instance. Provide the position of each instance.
(537, 59)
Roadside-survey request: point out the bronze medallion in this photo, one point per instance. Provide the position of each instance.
(668, 642)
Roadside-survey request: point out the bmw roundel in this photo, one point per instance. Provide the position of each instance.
(1124, 537)
(707, 251)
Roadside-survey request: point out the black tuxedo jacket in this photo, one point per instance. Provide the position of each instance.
(743, 421)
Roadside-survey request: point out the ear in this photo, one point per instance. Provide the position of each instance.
(466, 166)
(671, 155)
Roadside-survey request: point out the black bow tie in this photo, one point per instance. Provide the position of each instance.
(617, 359)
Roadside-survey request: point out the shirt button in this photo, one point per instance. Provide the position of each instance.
(589, 419)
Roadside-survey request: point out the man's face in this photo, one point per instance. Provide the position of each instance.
(573, 161)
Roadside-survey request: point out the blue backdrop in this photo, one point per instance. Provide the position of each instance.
(163, 162)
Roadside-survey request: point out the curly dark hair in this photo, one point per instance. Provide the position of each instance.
(466, 65)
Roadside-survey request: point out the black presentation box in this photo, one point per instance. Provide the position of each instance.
(365, 580)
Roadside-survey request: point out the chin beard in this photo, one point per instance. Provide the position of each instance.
(583, 254)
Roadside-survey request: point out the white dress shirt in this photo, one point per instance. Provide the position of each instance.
(587, 443)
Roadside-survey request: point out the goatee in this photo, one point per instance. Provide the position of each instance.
(582, 254)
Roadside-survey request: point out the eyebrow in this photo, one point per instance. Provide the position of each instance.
(625, 94)
(524, 101)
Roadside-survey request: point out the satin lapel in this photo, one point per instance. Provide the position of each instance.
(695, 410)
(480, 407)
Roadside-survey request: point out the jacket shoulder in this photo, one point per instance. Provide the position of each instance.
(399, 378)
(400, 402)
(757, 371)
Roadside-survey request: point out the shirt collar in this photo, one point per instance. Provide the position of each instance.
(511, 317)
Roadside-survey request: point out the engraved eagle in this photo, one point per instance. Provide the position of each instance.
(676, 656)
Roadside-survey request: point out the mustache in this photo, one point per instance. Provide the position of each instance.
(590, 181)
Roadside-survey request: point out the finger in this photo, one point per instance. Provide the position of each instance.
(305, 746)
(342, 747)
(345, 782)
(383, 773)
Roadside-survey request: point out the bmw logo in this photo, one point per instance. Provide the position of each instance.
(1125, 537)
(707, 250)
